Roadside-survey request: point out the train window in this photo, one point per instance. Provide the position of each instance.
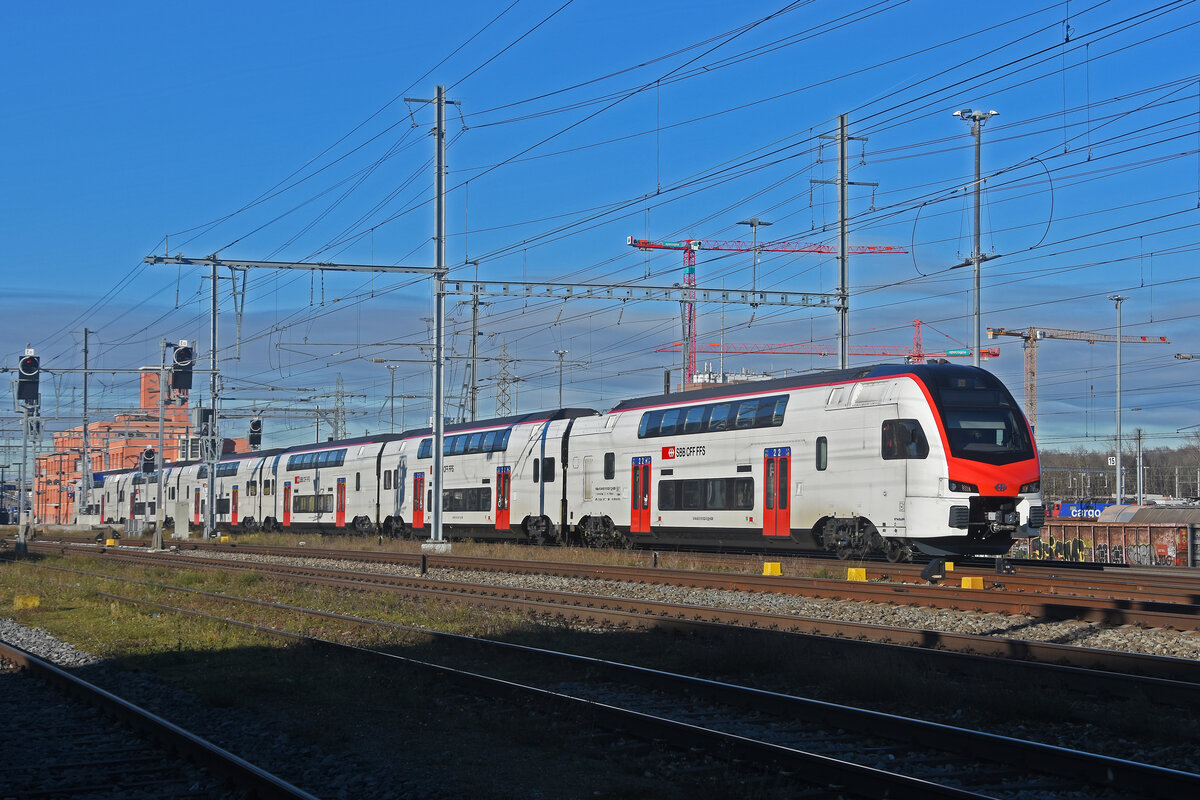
(474, 445)
(705, 494)
(769, 478)
(669, 419)
(252, 488)
(460, 444)
(489, 439)
(425, 450)
(358, 482)
(610, 466)
(121, 496)
(667, 494)
(171, 492)
(548, 470)
(715, 494)
(473, 499)
(502, 439)
(718, 420)
(903, 438)
(537, 470)
(822, 453)
(693, 421)
(746, 412)
(651, 421)
(783, 484)
(268, 487)
(387, 479)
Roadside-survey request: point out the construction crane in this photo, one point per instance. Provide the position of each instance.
(911, 355)
(689, 248)
(1033, 335)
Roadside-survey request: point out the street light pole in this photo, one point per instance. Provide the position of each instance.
(560, 354)
(976, 118)
(1118, 299)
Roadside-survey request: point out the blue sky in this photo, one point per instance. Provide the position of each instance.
(278, 131)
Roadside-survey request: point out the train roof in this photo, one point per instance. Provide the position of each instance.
(504, 422)
(824, 378)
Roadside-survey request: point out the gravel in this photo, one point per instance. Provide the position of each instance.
(1126, 638)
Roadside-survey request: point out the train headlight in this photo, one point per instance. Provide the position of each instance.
(969, 488)
(1030, 488)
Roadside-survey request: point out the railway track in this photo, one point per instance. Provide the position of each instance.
(1150, 600)
(858, 752)
(71, 740)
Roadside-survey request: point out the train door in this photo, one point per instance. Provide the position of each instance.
(777, 512)
(196, 507)
(101, 508)
(233, 506)
(503, 497)
(339, 514)
(287, 503)
(418, 520)
(639, 517)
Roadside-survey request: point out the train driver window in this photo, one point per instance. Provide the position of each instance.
(903, 438)
(610, 466)
(822, 453)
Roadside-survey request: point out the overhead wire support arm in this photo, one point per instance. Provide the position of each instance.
(587, 291)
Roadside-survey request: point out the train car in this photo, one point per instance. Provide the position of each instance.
(936, 458)
(503, 479)
(894, 459)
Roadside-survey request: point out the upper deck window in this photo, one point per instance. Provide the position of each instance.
(754, 412)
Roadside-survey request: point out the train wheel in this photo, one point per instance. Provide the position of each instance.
(897, 551)
(362, 525)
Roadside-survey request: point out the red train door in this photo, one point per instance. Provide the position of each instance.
(287, 503)
(639, 517)
(196, 509)
(777, 513)
(101, 509)
(418, 520)
(503, 490)
(233, 509)
(339, 514)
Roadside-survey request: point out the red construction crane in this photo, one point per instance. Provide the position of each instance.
(911, 355)
(689, 248)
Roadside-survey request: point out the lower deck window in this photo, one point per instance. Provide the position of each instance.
(312, 504)
(706, 494)
(478, 498)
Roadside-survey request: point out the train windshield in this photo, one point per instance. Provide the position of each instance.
(982, 421)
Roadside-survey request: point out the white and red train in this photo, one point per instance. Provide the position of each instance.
(936, 458)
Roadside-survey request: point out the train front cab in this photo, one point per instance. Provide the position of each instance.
(979, 487)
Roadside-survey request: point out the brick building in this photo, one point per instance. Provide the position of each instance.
(114, 445)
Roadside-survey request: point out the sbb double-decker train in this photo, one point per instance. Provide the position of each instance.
(894, 459)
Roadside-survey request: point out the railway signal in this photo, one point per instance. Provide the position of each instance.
(256, 433)
(29, 369)
(147, 461)
(181, 367)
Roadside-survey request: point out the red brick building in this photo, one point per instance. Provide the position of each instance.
(112, 446)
